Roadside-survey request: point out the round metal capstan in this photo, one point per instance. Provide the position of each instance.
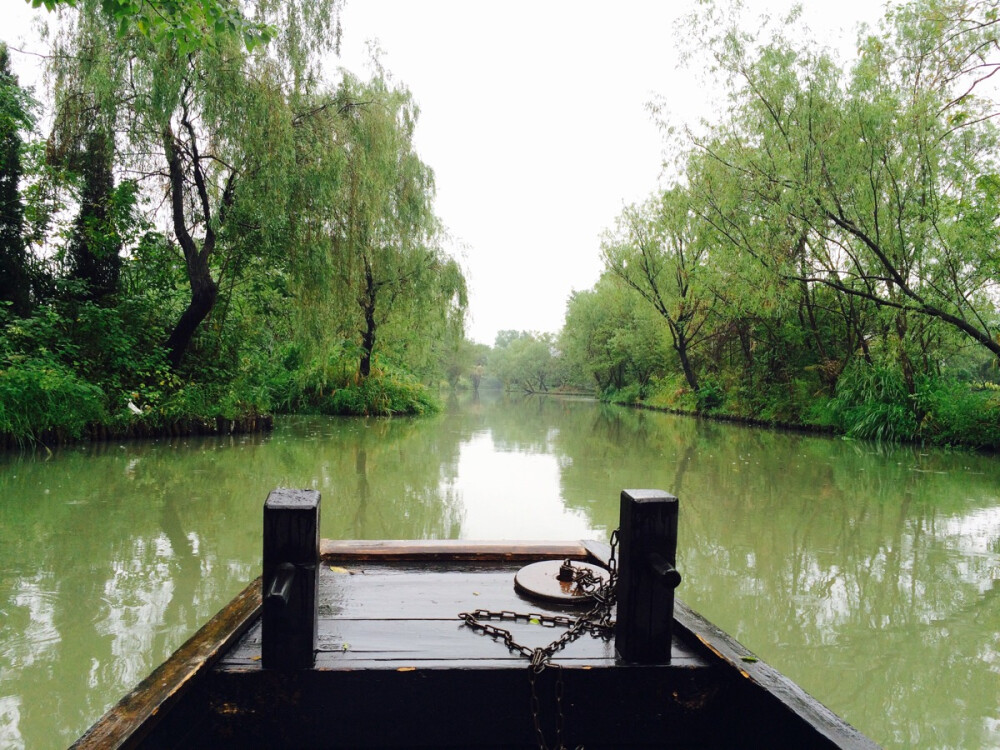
(555, 580)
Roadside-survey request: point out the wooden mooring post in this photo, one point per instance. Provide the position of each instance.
(290, 579)
(647, 576)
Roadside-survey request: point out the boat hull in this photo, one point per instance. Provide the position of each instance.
(396, 667)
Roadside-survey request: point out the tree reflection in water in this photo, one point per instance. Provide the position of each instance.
(868, 574)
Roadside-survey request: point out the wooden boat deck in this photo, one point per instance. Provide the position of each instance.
(395, 616)
(395, 667)
(390, 638)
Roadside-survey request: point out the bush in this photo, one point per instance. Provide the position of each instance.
(379, 395)
(628, 394)
(871, 402)
(671, 392)
(709, 395)
(40, 395)
(957, 414)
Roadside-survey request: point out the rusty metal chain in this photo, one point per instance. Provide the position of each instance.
(596, 621)
(536, 711)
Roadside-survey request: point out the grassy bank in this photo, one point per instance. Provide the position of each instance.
(868, 403)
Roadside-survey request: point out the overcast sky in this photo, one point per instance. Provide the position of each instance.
(534, 118)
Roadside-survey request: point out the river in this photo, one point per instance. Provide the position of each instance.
(868, 574)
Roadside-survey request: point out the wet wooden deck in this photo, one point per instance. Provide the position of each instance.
(397, 668)
(397, 616)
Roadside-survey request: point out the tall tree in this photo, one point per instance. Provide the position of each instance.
(386, 237)
(95, 246)
(660, 251)
(526, 359)
(613, 335)
(883, 182)
(15, 117)
(216, 124)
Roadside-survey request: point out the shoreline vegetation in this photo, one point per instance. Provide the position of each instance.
(219, 231)
(420, 400)
(56, 436)
(47, 410)
(963, 418)
(951, 414)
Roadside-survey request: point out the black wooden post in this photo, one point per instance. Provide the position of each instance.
(290, 580)
(647, 577)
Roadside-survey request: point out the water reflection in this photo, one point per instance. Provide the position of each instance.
(870, 575)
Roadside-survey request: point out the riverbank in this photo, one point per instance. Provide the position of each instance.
(52, 418)
(47, 402)
(814, 429)
(252, 422)
(941, 413)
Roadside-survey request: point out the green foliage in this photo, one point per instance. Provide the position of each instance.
(75, 365)
(659, 250)
(826, 257)
(40, 395)
(217, 120)
(370, 239)
(296, 225)
(612, 337)
(331, 385)
(867, 181)
(463, 358)
(380, 395)
(709, 395)
(16, 116)
(526, 360)
(95, 245)
(671, 392)
(629, 394)
(872, 402)
(827, 253)
(957, 413)
(190, 24)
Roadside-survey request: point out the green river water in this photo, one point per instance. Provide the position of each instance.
(868, 574)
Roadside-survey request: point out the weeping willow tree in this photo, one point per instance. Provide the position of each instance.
(189, 23)
(373, 276)
(212, 131)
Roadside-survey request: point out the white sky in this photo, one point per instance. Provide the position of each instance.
(533, 116)
(534, 119)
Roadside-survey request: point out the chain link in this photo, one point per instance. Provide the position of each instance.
(596, 621)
